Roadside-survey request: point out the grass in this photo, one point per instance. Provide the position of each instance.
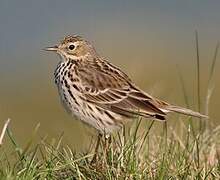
(133, 154)
(145, 150)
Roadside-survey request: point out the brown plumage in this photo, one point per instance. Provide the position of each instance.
(99, 93)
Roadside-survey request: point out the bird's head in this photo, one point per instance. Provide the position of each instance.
(72, 47)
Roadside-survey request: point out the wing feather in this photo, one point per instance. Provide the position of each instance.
(115, 91)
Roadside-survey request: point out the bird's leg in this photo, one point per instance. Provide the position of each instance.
(94, 159)
(107, 144)
(108, 140)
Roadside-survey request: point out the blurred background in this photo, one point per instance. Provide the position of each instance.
(152, 41)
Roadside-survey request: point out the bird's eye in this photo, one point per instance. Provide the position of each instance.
(71, 47)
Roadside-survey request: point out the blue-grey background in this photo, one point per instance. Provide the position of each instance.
(147, 39)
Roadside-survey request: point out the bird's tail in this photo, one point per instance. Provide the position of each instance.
(177, 109)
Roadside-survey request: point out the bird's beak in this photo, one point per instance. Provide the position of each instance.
(53, 48)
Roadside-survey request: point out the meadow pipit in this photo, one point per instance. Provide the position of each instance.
(99, 93)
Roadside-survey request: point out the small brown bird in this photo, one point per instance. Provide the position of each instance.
(99, 93)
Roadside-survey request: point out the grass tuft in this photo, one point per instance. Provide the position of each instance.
(133, 154)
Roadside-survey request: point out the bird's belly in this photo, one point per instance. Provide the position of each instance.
(88, 112)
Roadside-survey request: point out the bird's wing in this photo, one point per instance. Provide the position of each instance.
(109, 88)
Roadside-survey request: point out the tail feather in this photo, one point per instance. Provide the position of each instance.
(185, 111)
